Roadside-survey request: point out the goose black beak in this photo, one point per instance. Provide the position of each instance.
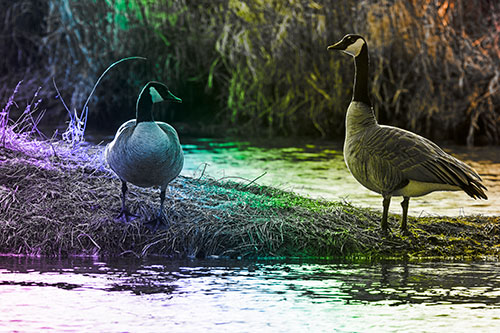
(173, 98)
(337, 46)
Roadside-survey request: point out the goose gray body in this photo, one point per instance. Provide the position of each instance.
(395, 162)
(392, 161)
(145, 152)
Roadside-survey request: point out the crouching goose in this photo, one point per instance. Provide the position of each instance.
(145, 152)
(392, 161)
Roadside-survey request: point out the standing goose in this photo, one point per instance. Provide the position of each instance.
(145, 152)
(392, 161)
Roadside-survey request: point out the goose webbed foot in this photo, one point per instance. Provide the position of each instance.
(125, 215)
(160, 222)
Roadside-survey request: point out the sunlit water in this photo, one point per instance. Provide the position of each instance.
(158, 295)
(319, 171)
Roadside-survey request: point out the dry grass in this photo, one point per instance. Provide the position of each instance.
(261, 67)
(58, 201)
(435, 67)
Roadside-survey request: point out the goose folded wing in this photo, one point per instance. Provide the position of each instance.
(422, 160)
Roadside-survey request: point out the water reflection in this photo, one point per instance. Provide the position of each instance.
(230, 295)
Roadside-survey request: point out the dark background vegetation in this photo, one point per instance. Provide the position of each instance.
(259, 68)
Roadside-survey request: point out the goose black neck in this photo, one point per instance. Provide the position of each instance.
(144, 109)
(360, 93)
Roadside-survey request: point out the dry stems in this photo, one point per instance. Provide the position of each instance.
(57, 200)
(262, 66)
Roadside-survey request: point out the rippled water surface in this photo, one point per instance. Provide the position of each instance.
(318, 170)
(159, 295)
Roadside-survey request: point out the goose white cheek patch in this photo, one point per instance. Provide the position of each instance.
(155, 95)
(355, 48)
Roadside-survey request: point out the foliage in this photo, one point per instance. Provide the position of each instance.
(261, 67)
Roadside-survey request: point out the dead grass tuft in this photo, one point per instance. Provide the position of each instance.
(65, 203)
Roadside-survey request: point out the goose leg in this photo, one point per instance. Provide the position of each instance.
(385, 213)
(124, 213)
(404, 217)
(160, 219)
(161, 215)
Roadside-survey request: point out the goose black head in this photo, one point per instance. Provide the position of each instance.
(158, 92)
(153, 92)
(351, 44)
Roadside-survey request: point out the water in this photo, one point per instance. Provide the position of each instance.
(318, 170)
(161, 295)
(158, 295)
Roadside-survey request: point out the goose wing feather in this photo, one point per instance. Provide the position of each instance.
(125, 125)
(421, 160)
(174, 148)
(124, 131)
(169, 130)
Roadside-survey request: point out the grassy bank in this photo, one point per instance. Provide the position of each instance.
(56, 200)
(261, 67)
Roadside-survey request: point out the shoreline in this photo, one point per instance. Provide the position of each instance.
(67, 200)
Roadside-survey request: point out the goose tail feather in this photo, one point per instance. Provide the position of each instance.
(475, 189)
(466, 178)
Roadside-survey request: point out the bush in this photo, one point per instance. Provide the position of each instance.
(261, 67)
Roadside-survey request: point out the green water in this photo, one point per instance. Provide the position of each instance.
(318, 170)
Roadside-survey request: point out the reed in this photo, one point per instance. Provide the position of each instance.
(436, 67)
(260, 67)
